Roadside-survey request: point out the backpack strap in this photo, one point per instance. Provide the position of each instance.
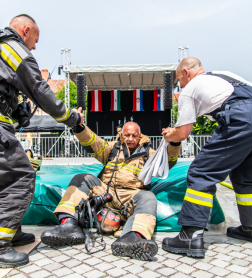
(147, 150)
(6, 34)
(229, 79)
(114, 151)
(111, 156)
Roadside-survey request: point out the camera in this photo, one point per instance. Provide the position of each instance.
(23, 114)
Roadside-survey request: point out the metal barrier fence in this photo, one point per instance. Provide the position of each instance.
(52, 148)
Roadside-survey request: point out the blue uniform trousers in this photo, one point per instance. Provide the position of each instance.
(228, 152)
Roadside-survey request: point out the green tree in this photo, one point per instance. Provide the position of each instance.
(202, 126)
(175, 111)
(73, 95)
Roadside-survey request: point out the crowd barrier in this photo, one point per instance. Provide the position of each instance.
(55, 149)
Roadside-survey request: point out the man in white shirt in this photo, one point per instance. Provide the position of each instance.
(228, 99)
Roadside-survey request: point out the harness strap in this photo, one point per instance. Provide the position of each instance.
(109, 183)
(227, 114)
(125, 151)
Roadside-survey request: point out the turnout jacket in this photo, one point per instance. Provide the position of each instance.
(129, 165)
(19, 68)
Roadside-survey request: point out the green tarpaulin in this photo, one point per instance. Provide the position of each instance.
(52, 181)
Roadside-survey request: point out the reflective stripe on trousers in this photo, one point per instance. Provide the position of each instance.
(244, 199)
(199, 198)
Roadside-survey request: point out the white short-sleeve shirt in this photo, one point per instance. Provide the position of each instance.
(202, 95)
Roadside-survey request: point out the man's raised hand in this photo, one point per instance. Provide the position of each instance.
(81, 115)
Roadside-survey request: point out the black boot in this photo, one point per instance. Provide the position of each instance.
(189, 241)
(241, 232)
(13, 259)
(131, 245)
(68, 233)
(22, 238)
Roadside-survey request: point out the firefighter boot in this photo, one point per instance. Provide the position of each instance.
(134, 246)
(189, 241)
(241, 232)
(13, 258)
(22, 238)
(67, 233)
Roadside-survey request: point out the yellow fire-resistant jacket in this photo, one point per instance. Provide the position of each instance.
(129, 165)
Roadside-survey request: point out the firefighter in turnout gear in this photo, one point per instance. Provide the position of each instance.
(19, 72)
(226, 98)
(125, 158)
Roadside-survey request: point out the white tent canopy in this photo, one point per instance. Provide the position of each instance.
(124, 77)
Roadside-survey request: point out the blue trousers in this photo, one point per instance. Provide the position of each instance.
(228, 152)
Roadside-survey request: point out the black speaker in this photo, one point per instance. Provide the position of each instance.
(167, 90)
(81, 91)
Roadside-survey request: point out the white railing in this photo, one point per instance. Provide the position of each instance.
(51, 148)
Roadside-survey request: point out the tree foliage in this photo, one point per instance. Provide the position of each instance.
(202, 126)
(73, 95)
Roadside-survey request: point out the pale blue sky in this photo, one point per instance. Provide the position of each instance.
(116, 32)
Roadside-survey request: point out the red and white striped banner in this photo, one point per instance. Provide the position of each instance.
(96, 101)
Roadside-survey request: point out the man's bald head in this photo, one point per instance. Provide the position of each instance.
(131, 133)
(187, 69)
(22, 19)
(133, 125)
(189, 63)
(27, 28)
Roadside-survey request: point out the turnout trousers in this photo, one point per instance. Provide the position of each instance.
(17, 183)
(228, 152)
(142, 210)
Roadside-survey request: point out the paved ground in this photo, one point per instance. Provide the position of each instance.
(225, 257)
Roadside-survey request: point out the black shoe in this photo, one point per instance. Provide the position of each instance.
(241, 232)
(131, 245)
(13, 259)
(68, 233)
(189, 241)
(25, 238)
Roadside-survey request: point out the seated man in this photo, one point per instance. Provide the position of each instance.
(131, 152)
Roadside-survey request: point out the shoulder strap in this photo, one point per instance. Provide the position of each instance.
(125, 151)
(225, 77)
(147, 149)
(111, 156)
(5, 34)
(114, 151)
